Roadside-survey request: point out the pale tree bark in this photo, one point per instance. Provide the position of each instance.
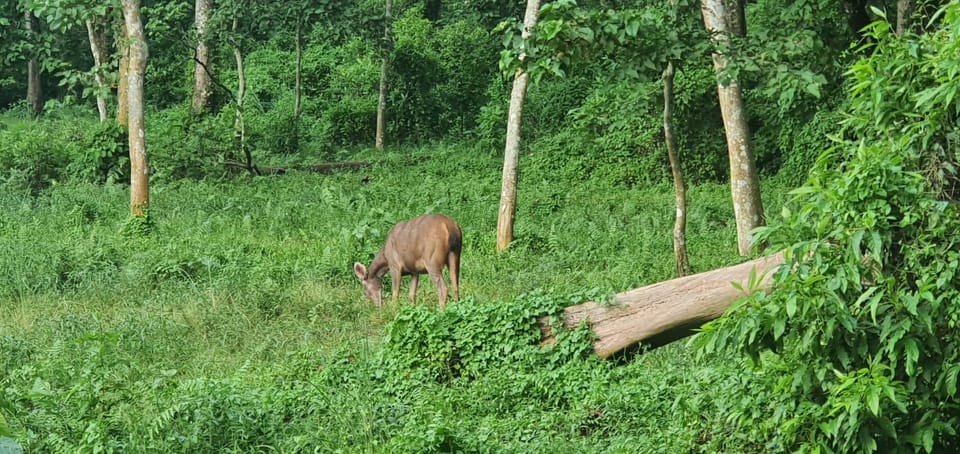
(122, 75)
(201, 75)
(239, 125)
(95, 35)
(511, 153)
(34, 95)
(904, 10)
(744, 181)
(382, 103)
(679, 188)
(137, 60)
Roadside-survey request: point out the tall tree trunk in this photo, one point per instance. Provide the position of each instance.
(123, 73)
(736, 17)
(298, 76)
(511, 153)
(680, 191)
(382, 103)
(239, 125)
(857, 18)
(201, 75)
(137, 55)
(432, 9)
(98, 48)
(744, 182)
(34, 95)
(904, 10)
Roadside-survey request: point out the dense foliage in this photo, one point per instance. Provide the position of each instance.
(857, 349)
(232, 321)
(237, 323)
(444, 83)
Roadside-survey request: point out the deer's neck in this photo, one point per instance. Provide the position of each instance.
(379, 266)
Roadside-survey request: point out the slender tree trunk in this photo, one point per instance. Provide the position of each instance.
(298, 77)
(239, 125)
(744, 181)
(511, 153)
(680, 191)
(137, 55)
(201, 75)
(904, 10)
(122, 73)
(98, 48)
(857, 18)
(382, 103)
(736, 17)
(34, 95)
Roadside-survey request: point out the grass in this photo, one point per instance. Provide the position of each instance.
(237, 324)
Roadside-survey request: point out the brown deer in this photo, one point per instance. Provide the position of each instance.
(423, 244)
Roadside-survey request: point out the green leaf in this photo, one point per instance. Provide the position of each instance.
(873, 401)
(4, 427)
(927, 439)
(913, 354)
(779, 325)
(951, 379)
(791, 306)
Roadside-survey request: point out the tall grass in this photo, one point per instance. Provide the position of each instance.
(236, 324)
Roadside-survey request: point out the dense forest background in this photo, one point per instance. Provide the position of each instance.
(229, 319)
(444, 84)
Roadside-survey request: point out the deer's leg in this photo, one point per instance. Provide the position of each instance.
(414, 280)
(437, 276)
(453, 263)
(395, 276)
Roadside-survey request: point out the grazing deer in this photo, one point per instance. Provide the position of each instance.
(423, 244)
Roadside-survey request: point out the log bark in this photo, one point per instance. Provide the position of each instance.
(325, 168)
(667, 310)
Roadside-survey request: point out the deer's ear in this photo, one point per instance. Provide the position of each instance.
(359, 270)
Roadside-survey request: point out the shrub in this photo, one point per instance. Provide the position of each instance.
(32, 158)
(856, 349)
(181, 145)
(103, 155)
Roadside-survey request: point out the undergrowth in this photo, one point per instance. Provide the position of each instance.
(235, 323)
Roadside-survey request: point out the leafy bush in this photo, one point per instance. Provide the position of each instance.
(855, 350)
(103, 155)
(34, 158)
(439, 75)
(181, 145)
(348, 112)
(470, 339)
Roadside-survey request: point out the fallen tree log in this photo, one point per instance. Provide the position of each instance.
(325, 168)
(665, 311)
